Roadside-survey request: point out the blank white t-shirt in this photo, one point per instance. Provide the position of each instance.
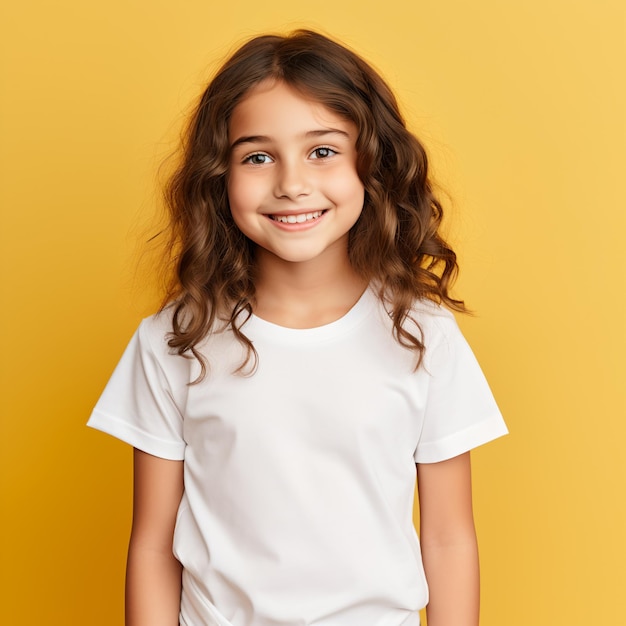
(299, 478)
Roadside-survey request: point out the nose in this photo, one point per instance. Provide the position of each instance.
(292, 180)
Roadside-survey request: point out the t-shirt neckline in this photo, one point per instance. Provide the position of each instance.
(262, 328)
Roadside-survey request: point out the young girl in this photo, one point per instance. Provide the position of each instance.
(303, 366)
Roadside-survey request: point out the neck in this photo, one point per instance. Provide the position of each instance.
(307, 294)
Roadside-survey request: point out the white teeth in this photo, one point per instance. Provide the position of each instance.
(297, 219)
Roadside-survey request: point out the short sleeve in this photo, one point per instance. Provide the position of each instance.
(139, 403)
(461, 412)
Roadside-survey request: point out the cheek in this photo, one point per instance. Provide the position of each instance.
(348, 188)
(240, 196)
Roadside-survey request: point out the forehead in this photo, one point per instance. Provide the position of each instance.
(273, 108)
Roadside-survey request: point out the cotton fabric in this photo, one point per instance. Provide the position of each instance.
(299, 478)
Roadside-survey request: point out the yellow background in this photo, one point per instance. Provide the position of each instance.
(522, 106)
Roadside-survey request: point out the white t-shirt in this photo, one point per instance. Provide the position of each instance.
(299, 479)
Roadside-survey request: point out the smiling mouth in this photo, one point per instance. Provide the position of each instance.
(301, 218)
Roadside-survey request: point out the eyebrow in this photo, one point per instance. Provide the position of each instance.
(312, 133)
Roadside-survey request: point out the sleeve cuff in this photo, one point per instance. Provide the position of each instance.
(458, 443)
(171, 450)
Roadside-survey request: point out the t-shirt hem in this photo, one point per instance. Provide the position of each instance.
(458, 443)
(173, 451)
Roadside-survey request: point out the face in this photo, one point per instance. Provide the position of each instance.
(293, 186)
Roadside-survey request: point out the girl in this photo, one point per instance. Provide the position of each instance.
(302, 366)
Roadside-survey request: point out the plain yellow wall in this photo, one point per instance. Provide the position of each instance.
(522, 106)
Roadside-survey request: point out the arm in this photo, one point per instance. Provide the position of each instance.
(448, 540)
(153, 575)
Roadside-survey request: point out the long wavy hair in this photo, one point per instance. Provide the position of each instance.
(395, 244)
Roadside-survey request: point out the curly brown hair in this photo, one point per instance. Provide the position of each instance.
(395, 244)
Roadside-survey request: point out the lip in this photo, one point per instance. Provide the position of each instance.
(295, 226)
(295, 211)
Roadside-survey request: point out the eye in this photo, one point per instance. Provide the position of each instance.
(323, 152)
(258, 158)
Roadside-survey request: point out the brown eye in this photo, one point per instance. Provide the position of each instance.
(257, 159)
(322, 153)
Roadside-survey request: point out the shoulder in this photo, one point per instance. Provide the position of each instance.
(432, 321)
(152, 338)
(429, 311)
(153, 331)
(218, 349)
(425, 319)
